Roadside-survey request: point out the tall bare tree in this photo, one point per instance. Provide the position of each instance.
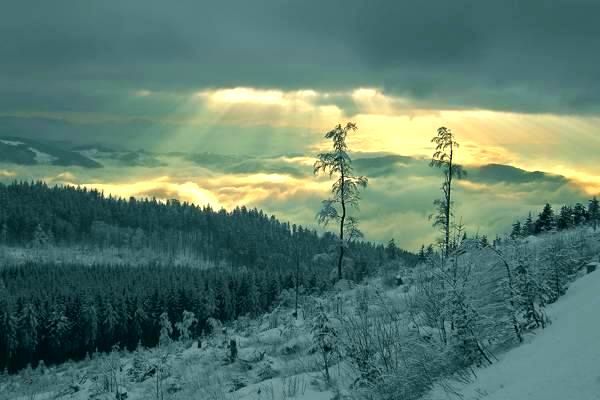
(345, 190)
(443, 158)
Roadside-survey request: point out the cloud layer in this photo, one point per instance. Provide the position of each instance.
(533, 56)
(396, 204)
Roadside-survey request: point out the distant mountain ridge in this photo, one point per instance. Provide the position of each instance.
(23, 151)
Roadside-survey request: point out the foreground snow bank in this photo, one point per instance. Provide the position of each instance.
(561, 362)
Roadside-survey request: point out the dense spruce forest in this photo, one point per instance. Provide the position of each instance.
(35, 214)
(55, 312)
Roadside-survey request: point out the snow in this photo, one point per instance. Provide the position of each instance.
(558, 363)
(41, 157)
(275, 361)
(11, 142)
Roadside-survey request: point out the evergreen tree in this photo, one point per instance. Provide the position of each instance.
(545, 221)
(528, 226)
(139, 321)
(555, 272)
(4, 233)
(565, 219)
(391, 250)
(28, 331)
(223, 300)
(484, 242)
(40, 238)
(325, 339)
(184, 328)
(528, 296)
(429, 252)
(89, 317)
(58, 328)
(110, 325)
(8, 328)
(580, 214)
(516, 230)
(422, 257)
(594, 212)
(166, 330)
(252, 299)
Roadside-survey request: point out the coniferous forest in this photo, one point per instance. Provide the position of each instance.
(299, 200)
(55, 312)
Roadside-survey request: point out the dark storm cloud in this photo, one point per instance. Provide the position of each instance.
(531, 56)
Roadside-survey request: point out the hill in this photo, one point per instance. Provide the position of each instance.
(59, 275)
(515, 321)
(31, 152)
(557, 363)
(34, 214)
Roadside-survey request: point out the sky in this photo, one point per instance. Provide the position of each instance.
(226, 102)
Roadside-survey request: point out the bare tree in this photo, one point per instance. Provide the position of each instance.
(345, 190)
(443, 158)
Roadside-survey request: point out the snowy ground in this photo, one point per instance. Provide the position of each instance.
(275, 361)
(561, 362)
(273, 364)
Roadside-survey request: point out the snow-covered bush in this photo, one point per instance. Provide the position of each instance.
(325, 340)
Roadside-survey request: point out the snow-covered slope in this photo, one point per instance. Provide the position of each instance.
(561, 362)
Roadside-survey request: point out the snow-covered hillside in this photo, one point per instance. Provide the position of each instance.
(392, 338)
(559, 363)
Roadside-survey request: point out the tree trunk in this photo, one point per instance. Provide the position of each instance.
(297, 277)
(342, 222)
(448, 200)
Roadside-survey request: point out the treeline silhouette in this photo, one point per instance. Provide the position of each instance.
(567, 217)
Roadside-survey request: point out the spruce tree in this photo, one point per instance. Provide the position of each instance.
(555, 271)
(184, 328)
(594, 212)
(484, 242)
(8, 328)
(166, 330)
(58, 328)
(516, 230)
(580, 214)
(391, 250)
(528, 295)
(528, 226)
(28, 331)
(325, 339)
(565, 218)
(422, 257)
(110, 324)
(545, 221)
